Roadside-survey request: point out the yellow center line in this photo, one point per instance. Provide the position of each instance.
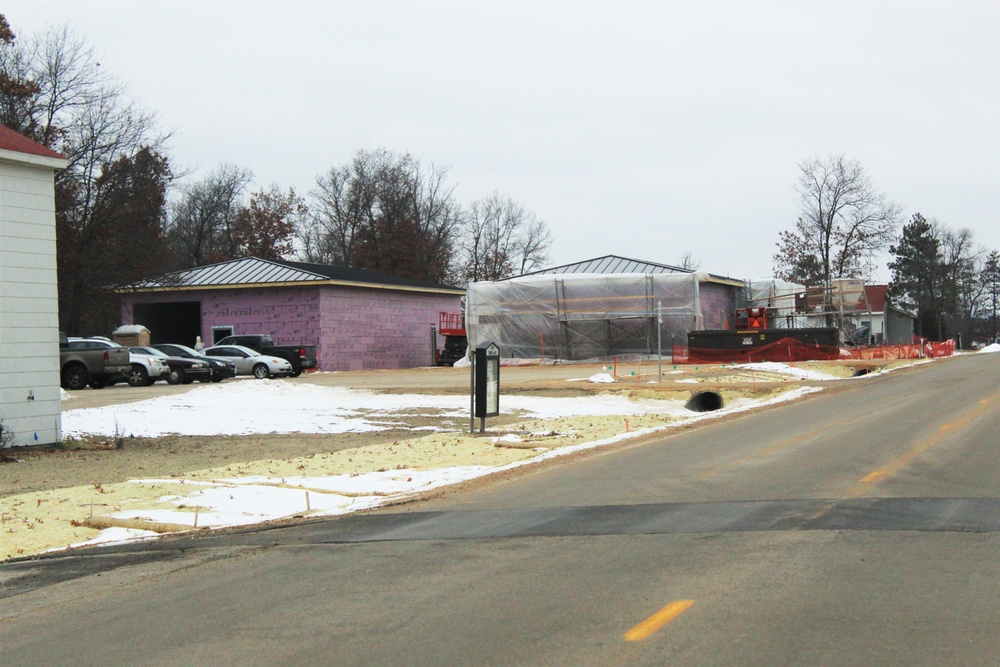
(921, 447)
(658, 620)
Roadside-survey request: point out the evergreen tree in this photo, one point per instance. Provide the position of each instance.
(917, 276)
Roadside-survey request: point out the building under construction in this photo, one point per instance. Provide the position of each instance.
(601, 308)
(613, 306)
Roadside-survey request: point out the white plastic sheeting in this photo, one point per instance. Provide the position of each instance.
(583, 316)
(778, 296)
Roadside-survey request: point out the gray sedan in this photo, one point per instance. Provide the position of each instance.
(250, 362)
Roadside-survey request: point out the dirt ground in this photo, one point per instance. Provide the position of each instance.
(47, 494)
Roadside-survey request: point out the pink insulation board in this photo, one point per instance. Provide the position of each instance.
(353, 328)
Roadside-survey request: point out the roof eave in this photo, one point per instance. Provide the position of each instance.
(33, 160)
(311, 283)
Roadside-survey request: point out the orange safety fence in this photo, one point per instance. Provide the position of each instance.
(791, 350)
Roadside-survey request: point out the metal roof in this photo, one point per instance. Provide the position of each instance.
(611, 264)
(253, 271)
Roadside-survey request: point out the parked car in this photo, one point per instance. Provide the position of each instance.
(90, 362)
(145, 370)
(299, 356)
(182, 370)
(860, 338)
(221, 368)
(250, 362)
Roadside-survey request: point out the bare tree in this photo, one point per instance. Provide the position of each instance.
(501, 237)
(266, 226)
(689, 262)
(200, 229)
(327, 235)
(962, 266)
(382, 212)
(990, 299)
(56, 93)
(844, 222)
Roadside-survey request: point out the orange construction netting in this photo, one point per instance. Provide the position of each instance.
(791, 350)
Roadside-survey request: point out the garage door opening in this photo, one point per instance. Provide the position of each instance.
(170, 322)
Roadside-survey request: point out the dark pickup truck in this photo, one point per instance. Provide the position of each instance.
(96, 363)
(300, 357)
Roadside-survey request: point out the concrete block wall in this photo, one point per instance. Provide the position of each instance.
(366, 329)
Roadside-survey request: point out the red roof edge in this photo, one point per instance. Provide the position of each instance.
(876, 296)
(12, 141)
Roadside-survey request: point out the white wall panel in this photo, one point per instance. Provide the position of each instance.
(29, 352)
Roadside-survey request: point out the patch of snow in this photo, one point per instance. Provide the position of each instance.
(993, 347)
(600, 378)
(272, 406)
(785, 369)
(112, 536)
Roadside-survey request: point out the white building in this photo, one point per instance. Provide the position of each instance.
(29, 302)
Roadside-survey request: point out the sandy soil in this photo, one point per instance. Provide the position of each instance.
(54, 497)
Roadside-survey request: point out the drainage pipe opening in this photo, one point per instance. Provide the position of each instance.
(705, 401)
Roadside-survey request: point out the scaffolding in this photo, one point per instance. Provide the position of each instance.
(577, 317)
(793, 306)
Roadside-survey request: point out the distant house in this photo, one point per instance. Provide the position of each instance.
(862, 312)
(357, 319)
(886, 323)
(29, 300)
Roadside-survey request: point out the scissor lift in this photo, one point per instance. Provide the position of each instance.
(456, 342)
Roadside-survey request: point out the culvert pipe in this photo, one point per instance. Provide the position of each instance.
(705, 401)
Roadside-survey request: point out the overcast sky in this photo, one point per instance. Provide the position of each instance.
(643, 129)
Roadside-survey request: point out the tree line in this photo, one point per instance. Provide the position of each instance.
(125, 211)
(845, 224)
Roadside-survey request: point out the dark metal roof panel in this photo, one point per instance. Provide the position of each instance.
(611, 264)
(255, 271)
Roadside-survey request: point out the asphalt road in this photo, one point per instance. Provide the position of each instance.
(859, 527)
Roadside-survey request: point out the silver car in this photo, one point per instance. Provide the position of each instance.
(250, 362)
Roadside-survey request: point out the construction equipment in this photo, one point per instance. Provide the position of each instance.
(456, 342)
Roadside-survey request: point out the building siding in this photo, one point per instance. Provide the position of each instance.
(353, 328)
(366, 329)
(289, 314)
(30, 404)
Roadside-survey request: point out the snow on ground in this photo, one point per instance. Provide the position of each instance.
(995, 347)
(786, 369)
(600, 378)
(274, 406)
